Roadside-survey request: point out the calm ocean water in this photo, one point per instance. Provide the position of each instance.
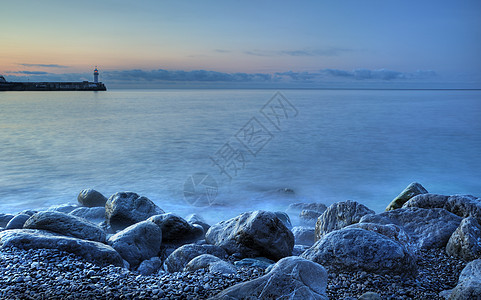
(325, 145)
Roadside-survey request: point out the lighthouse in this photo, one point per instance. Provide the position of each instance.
(96, 75)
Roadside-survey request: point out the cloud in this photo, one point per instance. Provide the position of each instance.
(29, 72)
(44, 65)
(328, 51)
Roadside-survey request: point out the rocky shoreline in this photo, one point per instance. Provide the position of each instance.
(425, 246)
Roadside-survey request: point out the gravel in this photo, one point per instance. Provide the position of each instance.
(53, 274)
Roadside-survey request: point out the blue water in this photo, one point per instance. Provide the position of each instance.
(328, 146)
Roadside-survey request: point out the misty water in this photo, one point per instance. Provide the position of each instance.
(320, 145)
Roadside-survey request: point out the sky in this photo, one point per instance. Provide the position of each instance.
(311, 44)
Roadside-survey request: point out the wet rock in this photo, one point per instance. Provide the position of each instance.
(137, 242)
(253, 234)
(309, 217)
(178, 259)
(96, 252)
(149, 266)
(5, 218)
(291, 278)
(339, 215)
(428, 228)
(284, 218)
(355, 249)
(17, 222)
(469, 283)
(66, 224)
(303, 235)
(211, 263)
(465, 242)
(461, 205)
(92, 214)
(296, 208)
(91, 198)
(196, 219)
(410, 191)
(175, 229)
(394, 232)
(126, 208)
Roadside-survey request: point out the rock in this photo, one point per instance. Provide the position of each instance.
(92, 214)
(65, 224)
(303, 235)
(253, 234)
(95, 252)
(196, 219)
(126, 208)
(258, 262)
(355, 249)
(299, 249)
(427, 228)
(17, 222)
(465, 242)
(296, 208)
(149, 266)
(212, 263)
(370, 296)
(29, 212)
(64, 208)
(5, 218)
(469, 282)
(291, 278)
(175, 229)
(137, 242)
(309, 217)
(410, 191)
(178, 259)
(91, 198)
(339, 215)
(461, 205)
(284, 218)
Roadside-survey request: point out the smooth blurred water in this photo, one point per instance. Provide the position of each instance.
(343, 144)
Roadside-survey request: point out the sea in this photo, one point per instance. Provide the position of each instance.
(220, 152)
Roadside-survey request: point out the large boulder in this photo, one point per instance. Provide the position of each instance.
(410, 191)
(253, 234)
(17, 222)
(66, 224)
(296, 208)
(137, 242)
(178, 259)
(291, 278)
(92, 214)
(461, 205)
(339, 215)
(212, 263)
(95, 252)
(5, 218)
(465, 242)
(355, 249)
(469, 282)
(428, 228)
(303, 235)
(126, 208)
(175, 229)
(91, 198)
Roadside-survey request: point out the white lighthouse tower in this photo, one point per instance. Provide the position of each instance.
(96, 75)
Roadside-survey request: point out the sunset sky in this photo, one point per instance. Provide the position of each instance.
(245, 43)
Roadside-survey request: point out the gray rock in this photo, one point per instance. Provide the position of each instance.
(175, 229)
(461, 205)
(126, 208)
(465, 242)
(309, 217)
(291, 278)
(427, 228)
(17, 222)
(178, 259)
(196, 219)
(303, 235)
(91, 198)
(299, 249)
(212, 263)
(284, 218)
(469, 282)
(5, 218)
(29, 212)
(92, 214)
(137, 242)
(370, 296)
(64, 208)
(410, 191)
(149, 266)
(65, 224)
(95, 252)
(253, 234)
(258, 262)
(296, 208)
(339, 215)
(355, 249)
